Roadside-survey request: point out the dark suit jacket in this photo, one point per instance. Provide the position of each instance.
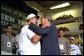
(50, 44)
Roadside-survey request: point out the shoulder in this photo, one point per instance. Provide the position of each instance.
(16, 35)
(13, 38)
(76, 46)
(3, 35)
(52, 24)
(24, 27)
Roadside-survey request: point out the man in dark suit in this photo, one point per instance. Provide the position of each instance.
(49, 34)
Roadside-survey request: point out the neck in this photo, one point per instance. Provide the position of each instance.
(8, 34)
(28, 23)
(72, 43)
(61, 36)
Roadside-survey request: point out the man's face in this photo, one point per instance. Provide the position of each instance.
(72, 41)
(43, 20)
(61, 32)
(33, 20)
(9, 29)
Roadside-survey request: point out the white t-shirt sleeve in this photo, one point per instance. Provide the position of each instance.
(27, 32)
(30, 33)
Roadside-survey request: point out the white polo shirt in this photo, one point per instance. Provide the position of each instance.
(26, 47)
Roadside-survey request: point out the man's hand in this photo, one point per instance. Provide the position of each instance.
(35, 39)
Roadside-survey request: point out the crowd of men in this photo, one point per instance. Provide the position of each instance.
(37, 40)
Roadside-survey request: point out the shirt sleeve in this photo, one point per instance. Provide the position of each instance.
(25, 32)
(13, 41)
(17, 40)
(30, 33)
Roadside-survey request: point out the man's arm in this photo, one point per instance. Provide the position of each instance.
(17, 41)
(35, 39)
(38, 30)
(31, 35)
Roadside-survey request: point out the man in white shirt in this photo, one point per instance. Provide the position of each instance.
(28, 44)
(75, 50)
(17, 40)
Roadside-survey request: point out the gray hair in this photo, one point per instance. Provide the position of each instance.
(48, 16)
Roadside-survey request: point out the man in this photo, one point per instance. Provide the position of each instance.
(49, 34)
(63, 43)
(17, 40)
(7, 41)
(75, 50)
(28, 46)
